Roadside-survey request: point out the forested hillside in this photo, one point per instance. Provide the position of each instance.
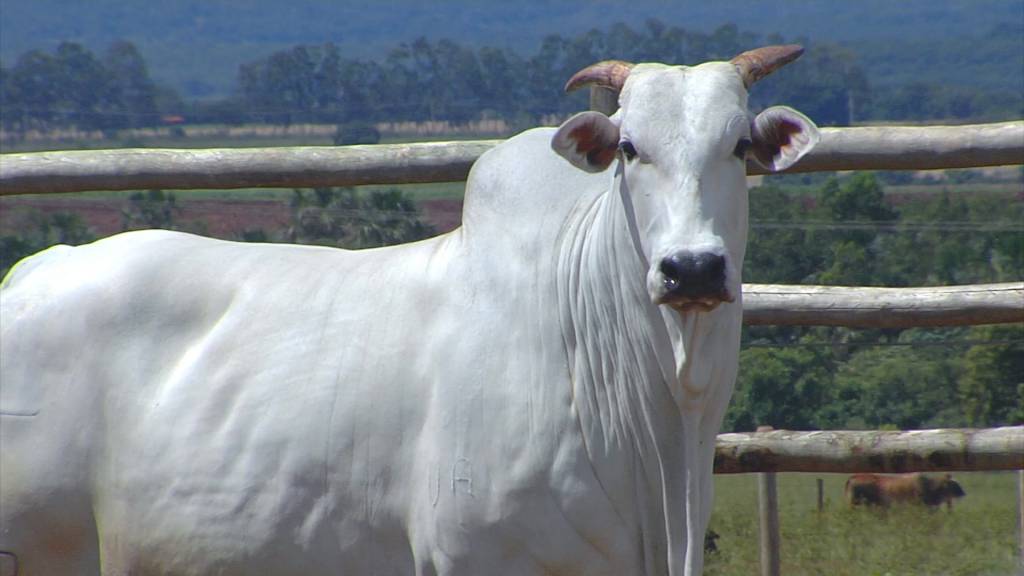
(424, 80)
(196, 46)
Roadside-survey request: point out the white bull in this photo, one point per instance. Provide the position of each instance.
(537, 392)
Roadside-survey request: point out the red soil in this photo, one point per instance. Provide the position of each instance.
(215, 218)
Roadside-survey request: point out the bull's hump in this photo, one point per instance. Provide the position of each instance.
(521, 183)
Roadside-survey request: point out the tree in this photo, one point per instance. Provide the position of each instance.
(347, 218)
(857, 207)
(458, 83)
(826, 83)
(10, 118)
(44, 230)
(282, 87)
(133, 90)
(72, 87)
(503, 81)
(783, 387)
(779, 247)
(991, 390)
(902, 386)
(87, 88)
(859, 197)
(33, 91)
(150, 209)
(329, 90)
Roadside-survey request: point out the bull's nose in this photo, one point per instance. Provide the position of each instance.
(693, 276)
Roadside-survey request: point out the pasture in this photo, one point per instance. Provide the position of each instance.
(978, 537)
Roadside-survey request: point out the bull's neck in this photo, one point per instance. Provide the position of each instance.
(618, 340)
(623, 369)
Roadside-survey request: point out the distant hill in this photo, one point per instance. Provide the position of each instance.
(196, 46)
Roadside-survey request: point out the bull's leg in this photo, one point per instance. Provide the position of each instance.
(45, 521)
(710, 425)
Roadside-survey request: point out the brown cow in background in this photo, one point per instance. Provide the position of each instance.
(883, 490)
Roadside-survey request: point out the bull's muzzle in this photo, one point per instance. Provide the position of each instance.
(694, 281)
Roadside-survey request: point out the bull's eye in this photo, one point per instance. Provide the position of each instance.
(628, 150)
(741, 148)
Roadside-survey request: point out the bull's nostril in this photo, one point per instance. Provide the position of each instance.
(670, 272)
(711, 265)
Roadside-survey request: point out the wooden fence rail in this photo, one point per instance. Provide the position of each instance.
(863, 307)
(858, 148)
(871, 451)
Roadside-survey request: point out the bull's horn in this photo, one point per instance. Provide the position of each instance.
(610, 74)
(758, 63)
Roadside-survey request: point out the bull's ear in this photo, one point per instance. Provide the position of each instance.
(781, 136)
(588, 141)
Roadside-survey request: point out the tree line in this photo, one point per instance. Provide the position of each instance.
(847, 232)
(444, 80)
(75, 88)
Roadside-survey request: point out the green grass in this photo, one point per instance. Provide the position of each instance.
(977, 538)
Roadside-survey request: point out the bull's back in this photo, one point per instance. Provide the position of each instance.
(906, 488)
(882, 489)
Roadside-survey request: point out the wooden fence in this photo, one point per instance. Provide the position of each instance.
(860, 148)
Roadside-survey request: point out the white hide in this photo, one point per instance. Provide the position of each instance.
(502, 399)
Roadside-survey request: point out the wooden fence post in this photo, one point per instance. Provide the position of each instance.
(8, 564)
(821, 494)
(768, 504)
(1020, 515)
(603, 100)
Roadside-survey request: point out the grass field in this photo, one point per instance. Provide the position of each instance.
(978, 537)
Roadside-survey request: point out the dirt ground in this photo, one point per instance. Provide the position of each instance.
(221, 219)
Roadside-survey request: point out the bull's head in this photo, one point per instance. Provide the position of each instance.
(683, 135)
